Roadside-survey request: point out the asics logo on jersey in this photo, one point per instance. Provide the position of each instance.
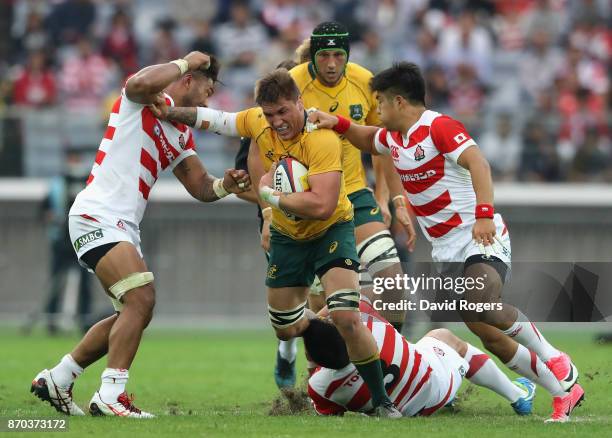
(334, 107)
(407, 177)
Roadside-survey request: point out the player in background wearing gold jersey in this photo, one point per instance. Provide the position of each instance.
(329, 82)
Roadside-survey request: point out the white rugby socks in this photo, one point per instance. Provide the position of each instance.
(113, 384)
(66, 371)
(529, 365)
(484, 372)
(525, 333)
(288, 349)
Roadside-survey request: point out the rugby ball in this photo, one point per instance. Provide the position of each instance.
(291, 176)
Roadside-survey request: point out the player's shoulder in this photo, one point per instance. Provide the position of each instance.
(322, 138)
(301, 74)
(358, 73)
(254, 119)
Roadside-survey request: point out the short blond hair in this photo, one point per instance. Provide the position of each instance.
(302, 53)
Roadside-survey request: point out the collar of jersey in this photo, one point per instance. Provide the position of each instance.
(167, 96)
(406, 135)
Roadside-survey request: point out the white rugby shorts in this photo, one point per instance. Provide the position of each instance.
(88, 232)
(461, 246)
(448, 370)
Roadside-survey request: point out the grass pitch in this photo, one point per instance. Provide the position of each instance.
(219, 383)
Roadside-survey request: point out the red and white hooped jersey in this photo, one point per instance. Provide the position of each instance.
(407, 376)
(135, 149)
(439, 190)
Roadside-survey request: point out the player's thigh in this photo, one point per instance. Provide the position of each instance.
(289, 263)
(286, 298)
(120, 261)
(450, 339)
(368, 218)
(335, 259)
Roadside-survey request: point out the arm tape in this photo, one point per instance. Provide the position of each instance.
(219, 122)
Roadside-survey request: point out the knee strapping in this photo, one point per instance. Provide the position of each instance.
(343, 299)
(132, 281)
(282, 319)
(377, 252)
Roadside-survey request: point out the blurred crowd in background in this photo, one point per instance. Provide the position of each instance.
(529, 78)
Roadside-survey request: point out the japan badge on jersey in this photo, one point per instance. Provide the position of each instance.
(181, 141)
(419, 153)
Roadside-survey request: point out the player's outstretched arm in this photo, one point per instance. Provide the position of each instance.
(220, 122)
(205, 187)
(360, 136)
(144, 86)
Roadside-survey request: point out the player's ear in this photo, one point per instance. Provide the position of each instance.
(300, 103)
(187, 80)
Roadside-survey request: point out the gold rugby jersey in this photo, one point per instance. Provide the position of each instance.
(320, 151)
(350, 98)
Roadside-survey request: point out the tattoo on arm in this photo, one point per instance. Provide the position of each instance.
(185, 115)
(207, 194)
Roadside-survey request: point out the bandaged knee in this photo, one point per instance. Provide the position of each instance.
(378, 252)
(132, 281)
(343, 299)
(282, 319)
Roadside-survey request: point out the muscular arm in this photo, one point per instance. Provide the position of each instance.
(148, 82)
(320, 202)
(194, 177)
(256, 170)
(360, 136)
(220, 122)
(473, 160)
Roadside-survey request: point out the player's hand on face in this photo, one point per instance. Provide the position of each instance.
(322, 119)
(403, 218)
(197, 60)
(483, 232)
(236, 181)
(159, 107)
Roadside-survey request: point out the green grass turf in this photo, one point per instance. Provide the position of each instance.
(219, 383)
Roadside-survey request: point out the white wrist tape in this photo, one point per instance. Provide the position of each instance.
(267, 194)
(219, 189)
(267, 213)
(219, 122)
(182, 64)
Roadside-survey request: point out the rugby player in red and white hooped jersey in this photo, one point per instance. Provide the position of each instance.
(448, 183)
(419, 378)
(104, 224)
